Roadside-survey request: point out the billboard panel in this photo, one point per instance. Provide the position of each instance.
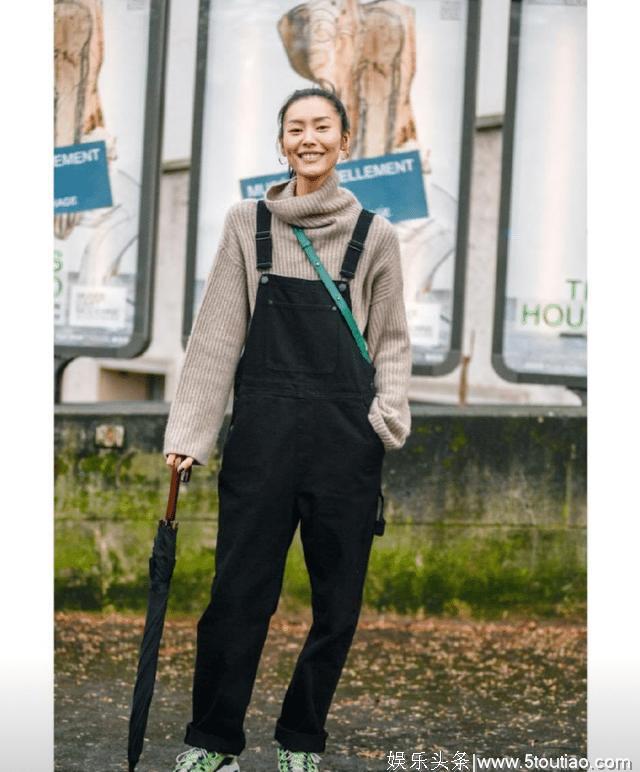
(108, 80)
(540, 329)
(406, 73)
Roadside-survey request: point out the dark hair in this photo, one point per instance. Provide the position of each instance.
(312, 91)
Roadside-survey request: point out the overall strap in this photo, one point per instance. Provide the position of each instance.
(356, 245)
(263, 237)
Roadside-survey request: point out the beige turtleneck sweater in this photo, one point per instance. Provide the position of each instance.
(328, 216)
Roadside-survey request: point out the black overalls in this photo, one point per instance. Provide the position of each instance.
(299, 448)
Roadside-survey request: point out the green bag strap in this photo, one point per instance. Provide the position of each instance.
(328, 282)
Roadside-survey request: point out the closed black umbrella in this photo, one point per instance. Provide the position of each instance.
(161, 563)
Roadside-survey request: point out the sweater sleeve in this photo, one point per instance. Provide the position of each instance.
(390, 349)
(213, 350)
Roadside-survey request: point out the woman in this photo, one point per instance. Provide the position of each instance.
(310, 424)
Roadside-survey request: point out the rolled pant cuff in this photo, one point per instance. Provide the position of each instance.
(299, 741)
(211, 742)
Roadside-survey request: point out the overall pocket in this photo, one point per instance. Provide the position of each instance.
(372, 432)
(302, 337)
(238, 408)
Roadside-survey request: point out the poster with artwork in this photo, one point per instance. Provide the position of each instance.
(541, 302)
(106, 133)
(400, 68)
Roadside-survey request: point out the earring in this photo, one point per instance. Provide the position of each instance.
(282, 160)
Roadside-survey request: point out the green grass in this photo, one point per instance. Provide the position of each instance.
(438, 571)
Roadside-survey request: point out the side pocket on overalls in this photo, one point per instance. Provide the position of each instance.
(231, 421)
(378, 528)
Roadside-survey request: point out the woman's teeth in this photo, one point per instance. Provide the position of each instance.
(310, 156)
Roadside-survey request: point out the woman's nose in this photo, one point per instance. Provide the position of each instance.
(308, 136)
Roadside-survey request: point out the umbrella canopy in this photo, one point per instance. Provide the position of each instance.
(161, 564)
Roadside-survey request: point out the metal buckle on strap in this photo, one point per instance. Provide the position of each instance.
(357, 245)
(261, 235)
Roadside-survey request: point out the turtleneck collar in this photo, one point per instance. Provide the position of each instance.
(313, 210)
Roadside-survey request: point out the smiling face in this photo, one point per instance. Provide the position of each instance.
(312, 139)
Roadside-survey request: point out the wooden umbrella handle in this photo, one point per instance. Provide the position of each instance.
(174, 487)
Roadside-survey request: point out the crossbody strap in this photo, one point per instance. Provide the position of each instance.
(328, 282)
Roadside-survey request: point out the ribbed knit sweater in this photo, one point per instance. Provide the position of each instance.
(328, 216)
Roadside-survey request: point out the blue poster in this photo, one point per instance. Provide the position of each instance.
(81, 177)
(390, 185)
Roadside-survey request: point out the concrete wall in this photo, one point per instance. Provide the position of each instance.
(485, 509)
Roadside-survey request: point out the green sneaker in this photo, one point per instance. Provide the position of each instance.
(201, 760)
(297, 761)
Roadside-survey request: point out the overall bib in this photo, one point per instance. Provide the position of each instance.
(299, 448)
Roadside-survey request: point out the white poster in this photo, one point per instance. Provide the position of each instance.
(545, 324)
(401, 78)
(100, 86)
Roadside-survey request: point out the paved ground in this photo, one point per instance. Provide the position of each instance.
(409, 686)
